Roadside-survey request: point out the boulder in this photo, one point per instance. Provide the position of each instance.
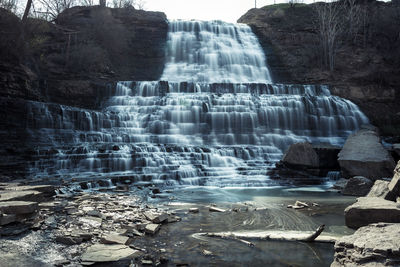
(108, 253)
(18, 207)
(364, 155)
(371, 210)
(357, 186)
(380, 189)
(372, 245)
(301, 155)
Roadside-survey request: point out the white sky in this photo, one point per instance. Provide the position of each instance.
(225, 10)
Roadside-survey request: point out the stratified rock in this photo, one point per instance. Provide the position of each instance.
(194, 210)
(7, 219)
(372, 245)
(301, 154)
(357, 186)
(371, 210)
(18, 207)
(380, 189)
(364, 155)
(107, 253)
(114, 238)
(28, 195)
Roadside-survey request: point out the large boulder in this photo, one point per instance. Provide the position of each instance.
(364, 155)
(372, 245)
(301, 155)
(371, 210)
(357, 186)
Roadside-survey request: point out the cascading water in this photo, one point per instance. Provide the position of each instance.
(215, 119)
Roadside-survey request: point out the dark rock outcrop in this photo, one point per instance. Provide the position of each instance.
(366, 71)
(372, 245)
(369, 210)
(364, 155)
(71, 61)
(357, 186)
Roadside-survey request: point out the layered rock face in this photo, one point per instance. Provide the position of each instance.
(366, 71)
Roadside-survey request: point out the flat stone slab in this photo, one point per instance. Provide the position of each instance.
(108, 253)
(18, 207)
(152, 228)
(40, 188)
(114, 238)
(369, 210)
(28, 195)
(372, 245)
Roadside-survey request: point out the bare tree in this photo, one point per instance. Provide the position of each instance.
(103, 3)
(10, 5)
(87, 2)
(27, 9)
(139, 4)
(55, 7)
(353, 13)
(329, 26)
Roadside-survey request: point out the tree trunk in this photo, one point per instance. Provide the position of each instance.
(27, 8)
(103, 3)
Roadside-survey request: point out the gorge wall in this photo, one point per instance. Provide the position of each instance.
(367, 72)
(70, 61)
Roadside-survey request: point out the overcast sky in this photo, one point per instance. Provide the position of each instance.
(225, 10)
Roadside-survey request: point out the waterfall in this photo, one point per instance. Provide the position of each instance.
(215, 118)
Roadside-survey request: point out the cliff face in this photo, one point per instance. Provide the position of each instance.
(366, 72)
(70, 62)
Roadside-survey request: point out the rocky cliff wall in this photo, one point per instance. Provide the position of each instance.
(366, 72)
(71, 61)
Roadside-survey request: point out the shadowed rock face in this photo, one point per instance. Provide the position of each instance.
(69, 62)
(366, 74)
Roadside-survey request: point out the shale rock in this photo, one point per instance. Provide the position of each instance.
(364, 155)
(107, 253)
(152, 228)
(369, 210)
(372, 245)
(115, 238)
(357, 186)
(18, 207)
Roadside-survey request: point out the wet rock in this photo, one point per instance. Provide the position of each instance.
(147, 262)
(18, 207)
(152, 228)
(115, 238)
(107, 253)
(364, 155)
(48, 189)
(301, 155)
(298, 205)
(95, 213)
(369, 210)
(357, 186)
(215, 209)
(207, 252)
(340, 184)
(173, 218)
(156, 190)
(194, 210)
(155, 218)
(68, 240)
(372, 245)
